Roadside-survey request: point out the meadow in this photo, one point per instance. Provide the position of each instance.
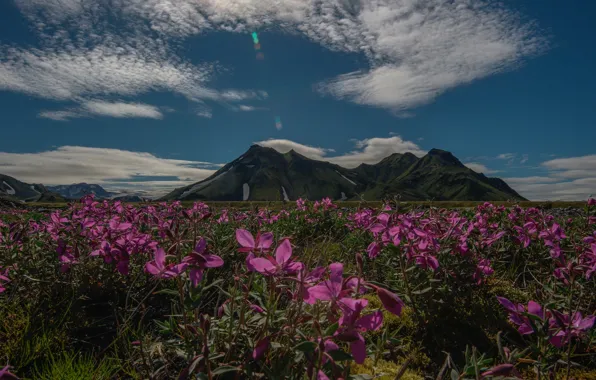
(304, 290)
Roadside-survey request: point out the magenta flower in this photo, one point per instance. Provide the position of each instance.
(390, 301)
(502, 370)
(158, 267)
(3, 279)
(591, 202)
(565, 330)
(333, 289)
(306, 281)
(247, 242)
(260, 349)
(483, 269)
(301, 204)
(282, 264)
(6, 375)
(352, 325)
(199, 260)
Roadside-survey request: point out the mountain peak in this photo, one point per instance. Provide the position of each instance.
(444, 156)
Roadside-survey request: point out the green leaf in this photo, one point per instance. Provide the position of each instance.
(171, 292)
(423, 290)
(331, 329)
(361, 377)
(340, 355)
(306, 346)
(454, 374)
(225, 369)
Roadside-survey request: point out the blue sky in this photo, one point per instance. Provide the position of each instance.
(154, 94)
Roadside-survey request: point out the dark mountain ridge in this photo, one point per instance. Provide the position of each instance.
(263, 173)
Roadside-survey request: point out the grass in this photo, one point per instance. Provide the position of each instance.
(248, 205)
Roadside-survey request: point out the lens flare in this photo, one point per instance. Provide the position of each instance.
(255, 38)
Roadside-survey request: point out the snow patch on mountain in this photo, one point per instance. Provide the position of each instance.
(245, 192)
(10, 190)
(283, 190)
(347, 179)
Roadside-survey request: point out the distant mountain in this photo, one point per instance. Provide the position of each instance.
(79, 190)
(13, 189)
(130, 198)
(265, 174)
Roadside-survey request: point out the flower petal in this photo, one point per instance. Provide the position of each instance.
(262, 265)
(245, 238)
(283, 252)
(201, 246)
(213, 261)
(358, 348)
(371, 322)
(265, 241)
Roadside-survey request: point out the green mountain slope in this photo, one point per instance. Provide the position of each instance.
(441, 176)
(265, 174)
(12, 188)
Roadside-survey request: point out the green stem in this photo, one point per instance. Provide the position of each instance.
(569, 304)
(408, 290)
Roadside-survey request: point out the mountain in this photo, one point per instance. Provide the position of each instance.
(130, 198)
(13, 189)
(441, 176)
(79, 190)
(264, 174)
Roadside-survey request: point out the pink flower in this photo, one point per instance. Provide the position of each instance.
(159, 269)
(247, 242)
(199, 260)
(282, 264)
(6, 375)
(3, 279)
(333, 289)
(260, 349)
(390, 301)
(591, 202)
(352, 325)
(503, 370)
(483, 269)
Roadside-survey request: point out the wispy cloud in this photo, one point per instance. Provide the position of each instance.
(59, 115)
(369, 151)
(74, 164)
(572, 178)
(480, 168)
(417, 49)
(102, 108)
(506, 156)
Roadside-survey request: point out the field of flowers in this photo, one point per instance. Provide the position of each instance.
(104, 290)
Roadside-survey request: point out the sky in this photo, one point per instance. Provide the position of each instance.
(149, 95)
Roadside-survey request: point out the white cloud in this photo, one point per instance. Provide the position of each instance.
(101, 108)
(524, 159)
(420, 49)
(59, 115)
(74, 164)
(417, 49)
(284, 146)
(529, 180)
(572, 178)
(76, 69)
(506, 156)
(368, 151)
(480, 168)
(572, 163)
(121, 109)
